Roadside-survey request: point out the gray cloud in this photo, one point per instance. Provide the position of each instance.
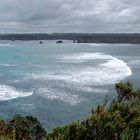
(69, 16)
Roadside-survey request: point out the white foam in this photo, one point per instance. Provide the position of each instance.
(9, 92)
(54, 94)
(87, 79)
(83, 57)
(107, 73)
(96, 44)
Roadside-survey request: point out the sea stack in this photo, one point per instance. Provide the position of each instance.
(59, 41)
(40, 42)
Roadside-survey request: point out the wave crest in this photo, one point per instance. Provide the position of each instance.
(106, 73)
(9, 92)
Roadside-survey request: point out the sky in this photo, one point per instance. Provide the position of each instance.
(82, 16)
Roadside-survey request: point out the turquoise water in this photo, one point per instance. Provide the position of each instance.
(60, 83)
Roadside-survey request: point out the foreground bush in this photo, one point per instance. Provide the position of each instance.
(22, 128)
(119, 121)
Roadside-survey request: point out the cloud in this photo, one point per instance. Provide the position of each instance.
(69, 16)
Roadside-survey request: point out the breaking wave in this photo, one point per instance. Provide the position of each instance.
(106, 73)
(86, 78)
(9, 92)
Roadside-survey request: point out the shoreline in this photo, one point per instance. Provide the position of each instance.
(77, 37)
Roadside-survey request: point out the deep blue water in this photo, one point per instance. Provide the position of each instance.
(60, 83)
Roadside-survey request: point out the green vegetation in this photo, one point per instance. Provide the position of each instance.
(22, 128)
(118, 121)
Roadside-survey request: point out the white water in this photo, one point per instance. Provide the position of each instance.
(86, 78)
(107, 73)
(8, 93)
(61, 95)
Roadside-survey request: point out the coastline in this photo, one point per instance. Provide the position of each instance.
(120, 38)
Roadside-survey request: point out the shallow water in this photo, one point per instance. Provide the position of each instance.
(60, 83)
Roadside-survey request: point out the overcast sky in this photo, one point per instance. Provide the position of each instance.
(47, 16)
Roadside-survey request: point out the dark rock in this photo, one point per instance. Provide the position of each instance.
(59, 41)
(40, 42)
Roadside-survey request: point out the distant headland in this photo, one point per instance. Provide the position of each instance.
(77, 37)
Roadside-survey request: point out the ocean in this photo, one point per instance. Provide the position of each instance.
(61, 83)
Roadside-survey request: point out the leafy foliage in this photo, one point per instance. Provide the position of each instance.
(22, 128)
